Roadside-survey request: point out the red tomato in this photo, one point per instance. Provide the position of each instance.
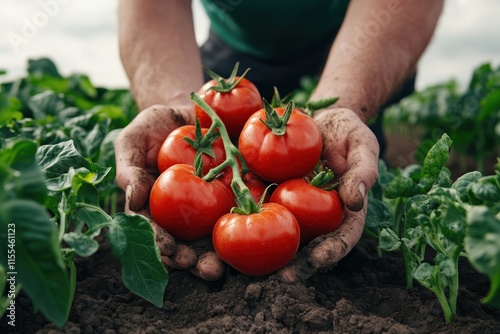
(259, 243)
(187, 206)
(175, 150)
(318, 211)
(233, 107)
(255, 184)
(276, 158)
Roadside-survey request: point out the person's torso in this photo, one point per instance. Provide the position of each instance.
(273, 30)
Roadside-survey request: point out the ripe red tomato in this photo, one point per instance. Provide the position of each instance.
(255, 184)
(259, 243)
(276, 158)
(318, 211)
(233, 107)
(175, 150)
(187, 206)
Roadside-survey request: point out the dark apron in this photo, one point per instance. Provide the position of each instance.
(286, 76)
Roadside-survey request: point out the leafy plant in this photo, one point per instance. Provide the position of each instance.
(56, 133)
(48, 108)
(50, 214)
(470, 117)
(433, 215)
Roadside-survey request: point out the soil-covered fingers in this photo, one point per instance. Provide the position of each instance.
(298, 270)
(209, 267)
(326, 251)
(137, 147)
(361, 170)
(351, 150)
(166, 243)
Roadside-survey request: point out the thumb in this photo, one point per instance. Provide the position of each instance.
(138, 189)
(354, 186)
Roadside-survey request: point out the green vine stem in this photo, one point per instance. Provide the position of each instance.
(244, 200)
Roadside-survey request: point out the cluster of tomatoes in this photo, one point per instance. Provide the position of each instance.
(277, 146)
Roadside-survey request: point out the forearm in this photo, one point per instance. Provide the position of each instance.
(158, 50)
(377, 47)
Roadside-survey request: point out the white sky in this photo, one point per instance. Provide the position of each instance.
(80, 36)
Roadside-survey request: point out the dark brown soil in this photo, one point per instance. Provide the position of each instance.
(365, 293)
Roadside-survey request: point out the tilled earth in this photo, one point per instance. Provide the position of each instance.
(365, 293)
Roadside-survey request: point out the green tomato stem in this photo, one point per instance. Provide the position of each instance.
(244, 200)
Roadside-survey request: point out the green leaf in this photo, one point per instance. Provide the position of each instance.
(489, 106)
(424, 275)
(464, 182)
(401, 186)
(26, 179)
(378, 216)
(446, 265)
(46, 104)
(482, 245)
(42, 67)
(58, 159)
(133, 241)
(89, 141)
(107, 149)
(434, 162)
(389, 240)
(82, 244)
(38, 261)
(486, 192)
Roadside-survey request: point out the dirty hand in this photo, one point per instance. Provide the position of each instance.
(351, 151)
(136, 150)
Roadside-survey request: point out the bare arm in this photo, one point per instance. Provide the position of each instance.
(377, 47)
(158, 50)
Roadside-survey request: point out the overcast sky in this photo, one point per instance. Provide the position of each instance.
(80, 36)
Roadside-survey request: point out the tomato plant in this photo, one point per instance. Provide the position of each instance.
(186, 205)
(182, 145)
(316, 204)
(257, 243)
(234, 100)
(281, 143)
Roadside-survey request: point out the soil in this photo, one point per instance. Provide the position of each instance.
(365, 293)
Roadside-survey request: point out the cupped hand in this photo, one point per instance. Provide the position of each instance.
(351, 151)
(136, 150)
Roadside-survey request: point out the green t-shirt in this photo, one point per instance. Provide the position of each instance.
(275, 30)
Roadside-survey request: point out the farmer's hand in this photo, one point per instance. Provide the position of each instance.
(136, 150)
(351, 151)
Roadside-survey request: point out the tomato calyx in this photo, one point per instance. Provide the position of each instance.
(203, 145)
(276, 123)
(310, 106)
(244, 200)
(324, 180)
(226, 85)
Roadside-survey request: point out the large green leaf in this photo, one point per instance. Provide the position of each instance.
(26, 180)
(132, 240)
(38, 264)
(56, 160)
